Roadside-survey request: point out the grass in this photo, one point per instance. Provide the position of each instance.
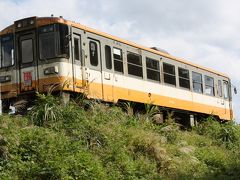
(88, 140)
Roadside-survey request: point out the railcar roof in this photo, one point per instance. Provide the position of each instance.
(50, 20)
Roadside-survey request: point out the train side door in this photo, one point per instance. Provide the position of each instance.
(27, 61)
(94, 70)
(77, 64)
(107, 73)
(226, 96)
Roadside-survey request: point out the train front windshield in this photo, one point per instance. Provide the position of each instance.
(53, 41)
(7, 51)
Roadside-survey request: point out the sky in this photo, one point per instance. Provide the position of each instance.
(205, 32)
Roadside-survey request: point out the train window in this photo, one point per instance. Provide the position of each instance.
(118, 60)
(108, 57)
(184, 78)
(27, 51)
(169, 74)
(53, 41)
(64, 40)
(93, 53)
(209, 85)
(46, 29)
(220, 88)
(76, 49)
(225, 90)
(153, 69)
(197, 82)
(134, 64)
(47, 45)
(7, 51)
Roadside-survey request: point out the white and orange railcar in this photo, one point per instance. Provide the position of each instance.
(38, 52)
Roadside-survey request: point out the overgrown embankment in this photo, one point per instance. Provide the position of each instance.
(67, 142)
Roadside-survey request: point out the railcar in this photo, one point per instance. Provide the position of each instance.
(39, 52)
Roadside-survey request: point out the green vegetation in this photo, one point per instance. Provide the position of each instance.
(88, 140)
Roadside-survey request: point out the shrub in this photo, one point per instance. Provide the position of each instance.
(225, 133)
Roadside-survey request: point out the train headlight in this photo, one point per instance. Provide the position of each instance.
(19, 25)
(5, 79)
(26, 23)
(32, 22)
(51, 70)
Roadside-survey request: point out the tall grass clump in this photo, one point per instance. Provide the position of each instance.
(46, 110)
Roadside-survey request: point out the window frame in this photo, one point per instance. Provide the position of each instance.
(108, 57)
(220, 88)
(169, 74)
(11, 38)
(184, 78)
(156, 70)
(78, 48)
(33, 51)
(209, 86)
(196, 82)
(135, 65)
(118, 60)
(61, 40)
(227, 90)
(56, 46)
(96, 56)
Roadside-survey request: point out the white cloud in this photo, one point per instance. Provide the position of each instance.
(205, 32)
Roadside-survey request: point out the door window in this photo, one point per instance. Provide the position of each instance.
(108, 57)
(93, 53)
(76, 49)
(27, 50)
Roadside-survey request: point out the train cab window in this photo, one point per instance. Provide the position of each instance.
(47, 42)
(93, 53)
(108, 57)
(53, 41)
(76, 49)
(134, 64)
(184, 78)
(169, 74)
(220, 88)
(225, 90)
(209, 85)
(153, 69)
(27, 51)
(7, 51)
(64, 40)
(197, 82)
(118, 60)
